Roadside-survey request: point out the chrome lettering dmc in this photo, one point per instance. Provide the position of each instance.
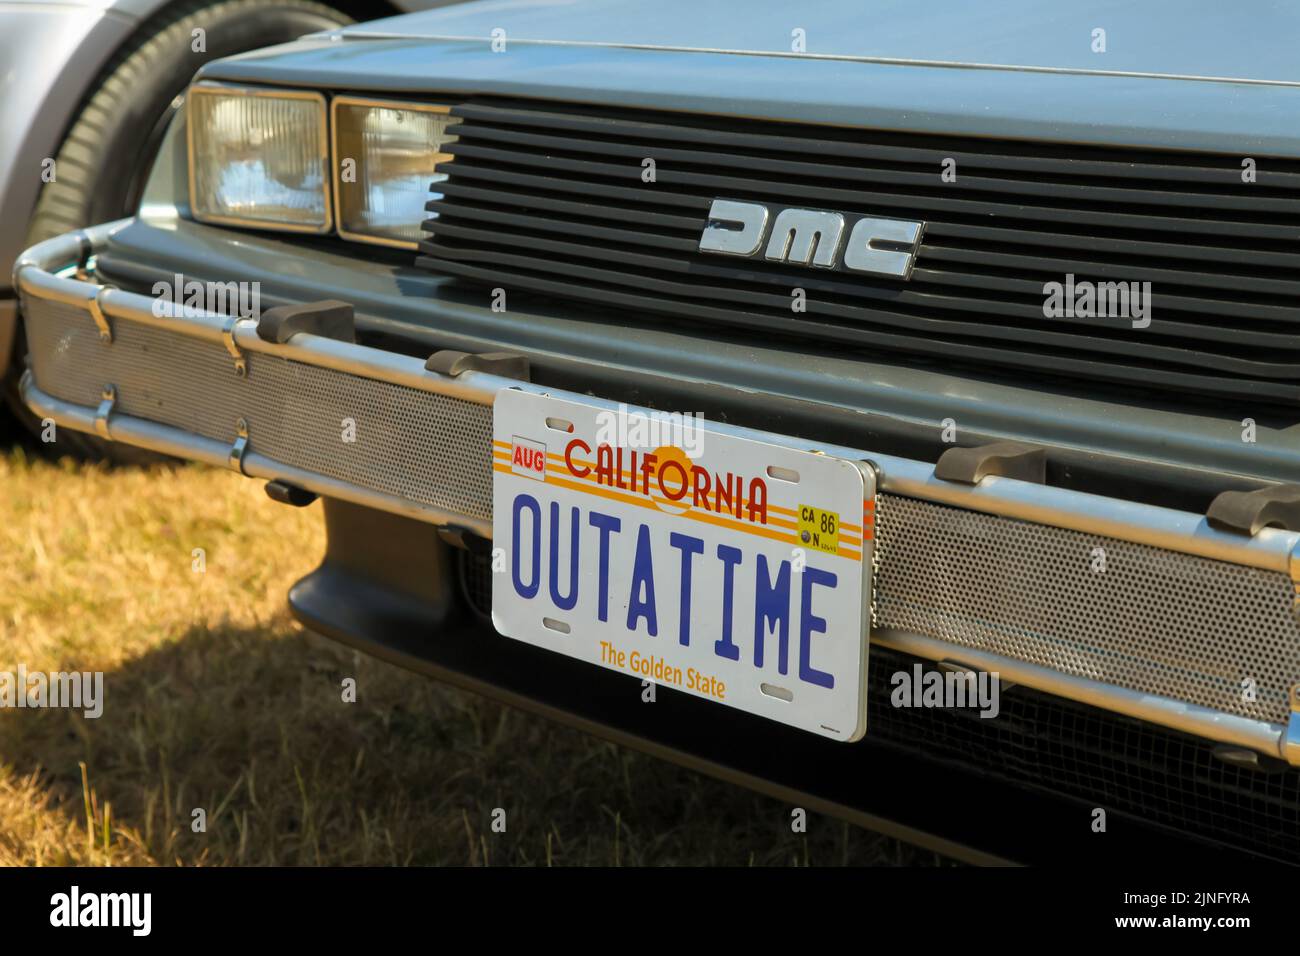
(805, 235)
(813, 237)
(734, 228)
(863, 254)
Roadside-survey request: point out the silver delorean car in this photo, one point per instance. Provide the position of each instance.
(893, 407)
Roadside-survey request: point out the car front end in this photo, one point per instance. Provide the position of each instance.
(410, 219)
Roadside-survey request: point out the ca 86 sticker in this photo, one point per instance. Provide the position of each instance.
(819, 528)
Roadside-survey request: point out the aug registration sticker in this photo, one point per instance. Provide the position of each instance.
(723, 566)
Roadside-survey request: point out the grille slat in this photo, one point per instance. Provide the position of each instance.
(797, 191)
(934, 230)
(537, 233)
(548, 198)
(600, 211)
(728, 293)
(1230, 260)
(494, 265)
(512, 188)
(1115, 270)
(686, 240)
(799, 170)
(1027, 157)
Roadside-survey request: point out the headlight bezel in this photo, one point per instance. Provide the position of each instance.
(349, 100)
(323, 141)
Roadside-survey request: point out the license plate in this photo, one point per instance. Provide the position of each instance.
(727, 567)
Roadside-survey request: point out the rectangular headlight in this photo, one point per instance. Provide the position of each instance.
(259, 157)
(386, 154)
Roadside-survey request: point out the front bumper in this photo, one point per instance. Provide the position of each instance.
(1000, 575)
(1183, 625)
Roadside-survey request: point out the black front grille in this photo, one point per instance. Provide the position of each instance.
(1047, 743)
(550, 198)
(1117, 763)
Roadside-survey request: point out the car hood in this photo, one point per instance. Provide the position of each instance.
(1174, 75)
(1182, 38)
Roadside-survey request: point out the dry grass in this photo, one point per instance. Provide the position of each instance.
(214, 698)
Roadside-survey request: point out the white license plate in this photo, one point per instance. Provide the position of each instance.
(725, 567)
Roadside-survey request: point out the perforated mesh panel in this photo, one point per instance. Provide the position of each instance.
(409, 443)
(1153, 620)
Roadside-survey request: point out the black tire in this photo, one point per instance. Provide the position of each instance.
(110, 146)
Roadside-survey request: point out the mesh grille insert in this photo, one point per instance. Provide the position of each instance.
(1154, 621)
(408, 443)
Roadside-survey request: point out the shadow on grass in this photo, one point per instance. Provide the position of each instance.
(250, 726)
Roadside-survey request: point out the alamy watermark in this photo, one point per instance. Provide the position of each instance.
(133, 911)
(75, 690)
(650, 430)
(192, 298)
(1098, 300)
(948, 689)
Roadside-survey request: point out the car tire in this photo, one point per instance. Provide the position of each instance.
(110, 145)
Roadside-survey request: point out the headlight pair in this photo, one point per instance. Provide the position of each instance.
(263, 157)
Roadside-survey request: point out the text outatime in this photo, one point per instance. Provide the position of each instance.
(773, 592)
